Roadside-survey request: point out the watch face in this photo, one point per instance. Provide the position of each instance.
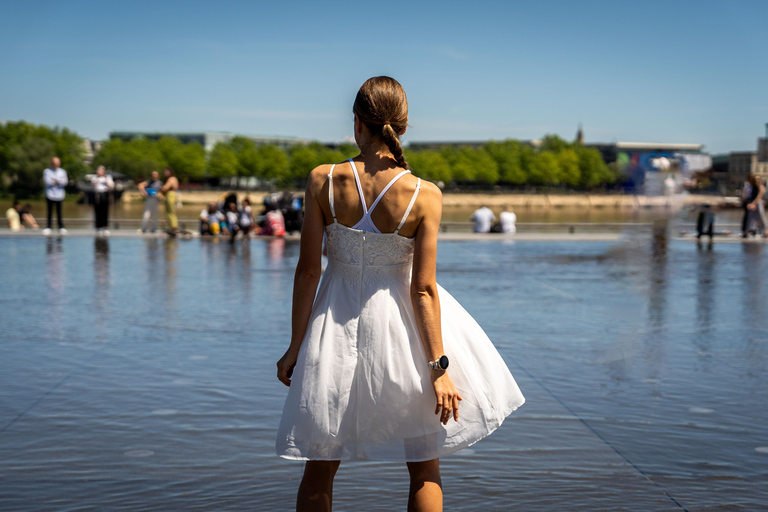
(443, 362)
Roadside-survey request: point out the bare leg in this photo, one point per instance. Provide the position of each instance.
(316, 488)
(426, 492)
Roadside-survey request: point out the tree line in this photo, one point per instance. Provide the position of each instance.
(25, 150)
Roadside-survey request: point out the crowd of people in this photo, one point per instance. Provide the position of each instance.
(282, 213)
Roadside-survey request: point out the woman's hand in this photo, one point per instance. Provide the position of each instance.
(447, 397)
(285, 366)
(751, 206)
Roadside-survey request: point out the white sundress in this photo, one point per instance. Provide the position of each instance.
(361, 388)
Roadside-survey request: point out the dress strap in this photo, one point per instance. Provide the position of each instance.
(359, 186)
(410, 205)
(330, 193)
(389, 185)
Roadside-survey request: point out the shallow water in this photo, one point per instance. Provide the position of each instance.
(138, 374)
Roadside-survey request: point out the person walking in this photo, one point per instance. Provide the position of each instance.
(55, 179)
(150, 190)
(103, 185)
(381, 358)
(169, 190)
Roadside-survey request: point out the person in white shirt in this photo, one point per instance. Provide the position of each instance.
(483, 217)
(508, 221)
(55, 179)
(103, 185)
(246, 217)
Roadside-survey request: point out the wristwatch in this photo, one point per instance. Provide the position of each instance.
(441, 363)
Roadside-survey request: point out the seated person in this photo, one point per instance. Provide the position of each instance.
(210, 220)
(273, 224)
(233, 219)
(27, 219)
(246, 217)
(13, 217)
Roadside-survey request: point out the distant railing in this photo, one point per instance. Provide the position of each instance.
(569, 227)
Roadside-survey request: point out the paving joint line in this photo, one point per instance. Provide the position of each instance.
(599, 436)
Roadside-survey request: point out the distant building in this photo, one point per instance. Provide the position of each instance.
(742, 163)
(437, 145)
(730, 170)
(208, 139)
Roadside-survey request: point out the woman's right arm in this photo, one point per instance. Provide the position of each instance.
(307, 272)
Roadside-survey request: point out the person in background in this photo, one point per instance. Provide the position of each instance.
(27, 219)
(508, 221)
(210, 220)
(13, 217)
(169, 190)
(103, 185)
(483, 217)
(273, 224)
(55, 179)
(233, 219)
(150, 190)
(754, 210)
(246, 217)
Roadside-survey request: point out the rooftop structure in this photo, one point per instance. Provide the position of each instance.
(208, 139)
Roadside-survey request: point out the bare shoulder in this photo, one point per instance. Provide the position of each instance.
(318, 176)
(430, 193)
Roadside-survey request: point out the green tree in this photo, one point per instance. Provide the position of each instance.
(27, 161)
(469, 165)
(429, 164)
(136, 158)
(544, 169)
(508, 156)
(187, 160)
(273, 164)
(554, 143)
(568, 164)
(222, 162)
(302, 160)
(16, 137)
(349, 150)
(247, 156)
(594, 171)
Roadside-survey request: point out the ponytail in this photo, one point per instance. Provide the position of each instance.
(393, 143)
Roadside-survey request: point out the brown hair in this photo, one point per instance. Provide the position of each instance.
(381, 105)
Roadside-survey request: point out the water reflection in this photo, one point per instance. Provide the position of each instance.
(753, 306)
(101, 289)
(706, 296)
(56, 278)
(658, 275)
(170, 250)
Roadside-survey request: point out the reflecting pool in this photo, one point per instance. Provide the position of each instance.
(139, 374)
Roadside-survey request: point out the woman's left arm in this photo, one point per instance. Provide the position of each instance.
(307, 276)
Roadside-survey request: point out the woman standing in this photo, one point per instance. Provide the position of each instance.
(169, 190)
(754, 209)
(368, 363)
(103, 185)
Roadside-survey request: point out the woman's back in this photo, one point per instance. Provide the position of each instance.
(387, 213)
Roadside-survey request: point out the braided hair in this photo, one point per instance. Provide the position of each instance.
(381, 105)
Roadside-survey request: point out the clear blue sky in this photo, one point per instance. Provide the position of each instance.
(660, 71)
